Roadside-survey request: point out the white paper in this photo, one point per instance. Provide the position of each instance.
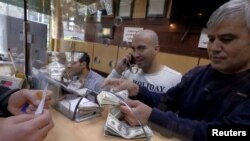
(39, 110)
(203, 41)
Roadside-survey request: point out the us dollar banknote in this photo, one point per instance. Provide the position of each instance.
(119, 128)
(109, 98)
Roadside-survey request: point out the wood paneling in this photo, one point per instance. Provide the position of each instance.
(106, 55)
(86, 47)
(178, 62)
(181, 40)
(140, 7)
(204, 61)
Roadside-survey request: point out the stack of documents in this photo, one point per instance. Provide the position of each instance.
(80, 92)
(79, 108)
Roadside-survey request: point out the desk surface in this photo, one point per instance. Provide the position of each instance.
(90, 130)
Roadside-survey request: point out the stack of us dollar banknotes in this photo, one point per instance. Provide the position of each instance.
(114, 126)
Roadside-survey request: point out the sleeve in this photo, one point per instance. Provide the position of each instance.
(4, 98)
(171, 100)
(167, 101)
(198, 130)
(114, 74)
(98, 85)
(150, 98)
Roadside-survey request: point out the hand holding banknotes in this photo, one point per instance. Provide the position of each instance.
(121, 84)
(110, 98)
(116, 127)
(141, 110)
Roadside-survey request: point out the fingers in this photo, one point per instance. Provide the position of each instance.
(128, 115)
(120, 87)
(35, 96)
(42, 133)
(22, 118)
(49, 100)
(127, 58)
(129, 112)
(42, 120)
(131, 120)
(121, 84)
(110, 83)
(122, 64)
(32, 96)
(132, 103)
(37, 128)
(128, 107)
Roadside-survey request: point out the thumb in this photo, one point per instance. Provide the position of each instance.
(108, 83)
(132, 103)
(22, 118)
(121, 85)
(35, 98)
(126, 107)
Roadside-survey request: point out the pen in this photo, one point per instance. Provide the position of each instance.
(26, 105)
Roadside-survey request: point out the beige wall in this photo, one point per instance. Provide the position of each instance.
(106, 56)
(180, 63)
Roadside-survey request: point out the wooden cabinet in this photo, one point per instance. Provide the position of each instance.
(104, 57)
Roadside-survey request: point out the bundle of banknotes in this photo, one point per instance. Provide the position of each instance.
(109, 98)
(114, 126)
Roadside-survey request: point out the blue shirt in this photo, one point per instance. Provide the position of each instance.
(93, 81)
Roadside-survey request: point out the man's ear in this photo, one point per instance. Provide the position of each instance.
(84, 64)
(157, 48)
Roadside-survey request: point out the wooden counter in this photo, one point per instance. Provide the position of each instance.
(90, 130)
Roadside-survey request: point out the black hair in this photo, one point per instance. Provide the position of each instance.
(85, 58)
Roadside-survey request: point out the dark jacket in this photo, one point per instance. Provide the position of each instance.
(204, 98)
(4, 98)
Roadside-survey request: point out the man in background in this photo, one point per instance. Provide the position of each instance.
(78, 74)
(150, 73)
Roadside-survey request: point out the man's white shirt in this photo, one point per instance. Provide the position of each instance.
(158, 82)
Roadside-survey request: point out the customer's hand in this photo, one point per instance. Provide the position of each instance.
(26, 127)
(25, 96)
(138, 111)
(121, 84)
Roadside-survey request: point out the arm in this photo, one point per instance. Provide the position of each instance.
(168, 105)
(120, 67)
(114, 74)
(4, 98)
(168, 101)
(150, 98)
(197, 130)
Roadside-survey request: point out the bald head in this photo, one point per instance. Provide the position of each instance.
(145, 45)
(150, 35)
